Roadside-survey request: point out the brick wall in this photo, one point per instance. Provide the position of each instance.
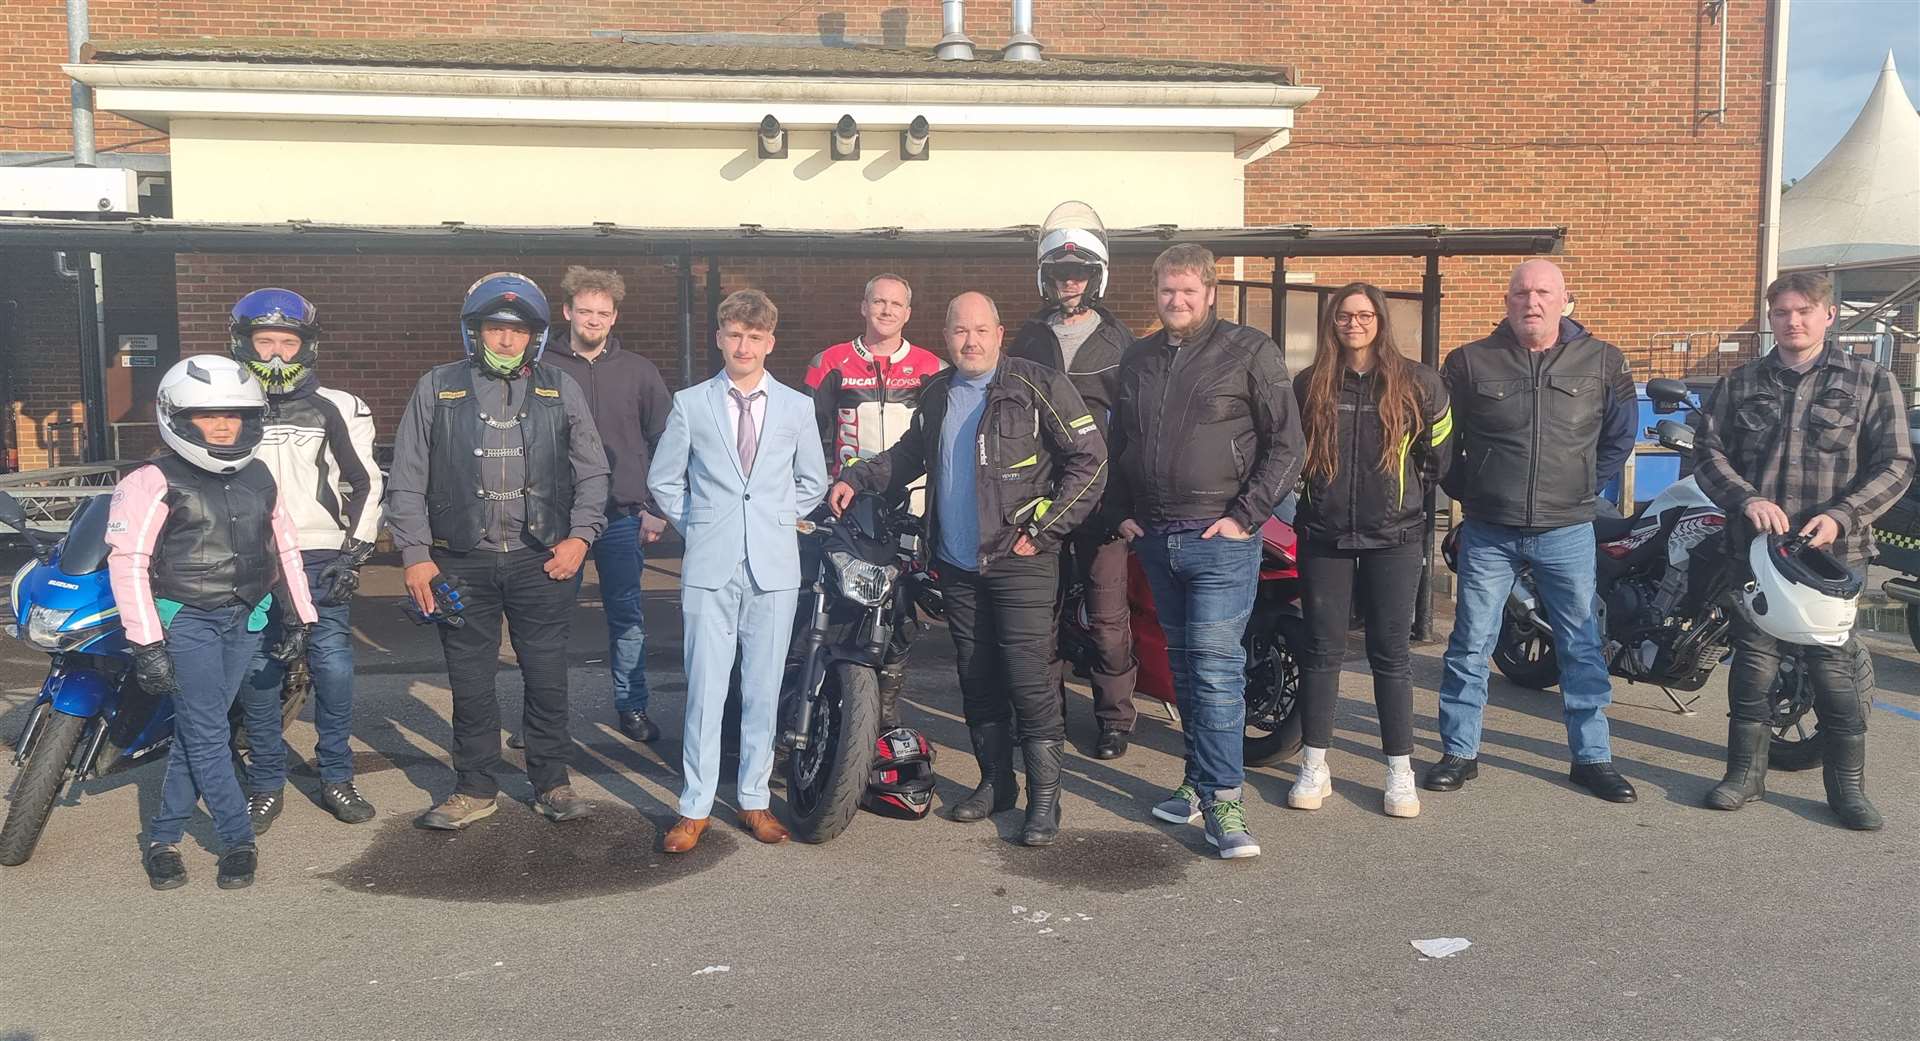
(1482, 112)
(40, 368)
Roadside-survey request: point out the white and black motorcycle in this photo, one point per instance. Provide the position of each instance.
(1665, 591)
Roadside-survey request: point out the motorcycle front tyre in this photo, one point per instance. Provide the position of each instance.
(849, 759)
(38, 788)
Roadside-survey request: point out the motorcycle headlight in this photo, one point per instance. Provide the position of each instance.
(43, 627)
(43, 630)
(862, 582)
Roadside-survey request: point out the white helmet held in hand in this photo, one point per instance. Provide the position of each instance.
(210, 383)
(1801, 594)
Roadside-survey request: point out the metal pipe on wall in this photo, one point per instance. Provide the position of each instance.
(1776, 152)
(1021, 46)
(955, 45)
(80, 93)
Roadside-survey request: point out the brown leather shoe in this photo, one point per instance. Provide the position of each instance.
(764, 826)
(685, 834)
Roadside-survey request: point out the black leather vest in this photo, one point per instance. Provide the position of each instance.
(1530, 428)
(456, 500)
(217, 547)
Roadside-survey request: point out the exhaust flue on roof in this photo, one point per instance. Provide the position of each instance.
(1021, 46)
(955, 45)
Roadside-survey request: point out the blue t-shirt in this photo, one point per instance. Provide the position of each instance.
(956, 494)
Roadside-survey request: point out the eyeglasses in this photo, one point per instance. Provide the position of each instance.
(1355, 318)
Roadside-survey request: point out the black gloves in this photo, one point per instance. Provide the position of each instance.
(340, 578)
(292, 645)
(153, 667)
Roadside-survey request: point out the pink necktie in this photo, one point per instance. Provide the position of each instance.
(746, 438)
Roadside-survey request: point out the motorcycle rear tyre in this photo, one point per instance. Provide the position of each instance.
(848, 760)
(38, 789)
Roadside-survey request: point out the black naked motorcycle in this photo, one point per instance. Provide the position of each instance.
(1667, 582)
(855, 616)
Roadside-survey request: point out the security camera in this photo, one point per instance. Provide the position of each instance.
(845, 143)
(772, 139)
(915, 140)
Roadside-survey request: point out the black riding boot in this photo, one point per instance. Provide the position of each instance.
(1746, 780)
(999, 790)
(1845, 772)
(893, 678)
(1043, 791)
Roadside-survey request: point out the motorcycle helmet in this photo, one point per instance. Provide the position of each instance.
(1800, 594)
(505, 296)
(900, 783)
(210, 383)
(281, 309)
(1073, 237)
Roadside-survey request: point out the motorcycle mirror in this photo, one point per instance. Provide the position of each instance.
(1675, 435)
(11, 512)
(1667, 395)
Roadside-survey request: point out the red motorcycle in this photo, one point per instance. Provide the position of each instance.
(1275, 633)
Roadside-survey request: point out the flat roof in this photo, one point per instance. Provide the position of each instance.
(698, 56)
(153, 235)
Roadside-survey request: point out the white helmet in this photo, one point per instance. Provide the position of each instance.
(210, 383)
(1074, 234)
(1801, 594)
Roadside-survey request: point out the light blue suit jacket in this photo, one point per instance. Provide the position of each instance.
(725, 516)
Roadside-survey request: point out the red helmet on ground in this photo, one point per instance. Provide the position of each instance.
(900, 784)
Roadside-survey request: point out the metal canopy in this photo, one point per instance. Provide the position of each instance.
(149, 235)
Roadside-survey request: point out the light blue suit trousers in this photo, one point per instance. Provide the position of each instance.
(740, 578)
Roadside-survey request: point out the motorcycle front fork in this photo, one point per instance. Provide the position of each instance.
(30, 736)
(813, 669)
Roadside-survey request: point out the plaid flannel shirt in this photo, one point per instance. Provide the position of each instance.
(1833, 443)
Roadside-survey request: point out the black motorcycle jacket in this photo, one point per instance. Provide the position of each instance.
(1205, 430)
(1362, 507)
(1042, 464)
(1095, 372)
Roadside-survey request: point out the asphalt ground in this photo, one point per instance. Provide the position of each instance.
(1587, 920)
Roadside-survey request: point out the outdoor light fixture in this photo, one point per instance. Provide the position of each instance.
(845, 142)
(773, 139)
(914, 140)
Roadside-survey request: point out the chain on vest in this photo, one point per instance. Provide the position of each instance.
(457, 501)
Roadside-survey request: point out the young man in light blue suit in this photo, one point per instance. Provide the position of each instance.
(739, 465)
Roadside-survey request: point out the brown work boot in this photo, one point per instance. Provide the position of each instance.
(685, 835)
(456, 813)
(764, 826)
(560, 804)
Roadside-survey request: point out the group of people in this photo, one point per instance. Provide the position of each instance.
(1036, 462)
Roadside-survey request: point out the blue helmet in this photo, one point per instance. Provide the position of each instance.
(505, 296)
(281, 309)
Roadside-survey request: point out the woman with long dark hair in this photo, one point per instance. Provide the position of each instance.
(1376, 426)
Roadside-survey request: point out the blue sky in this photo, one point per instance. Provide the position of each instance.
(1834, 52)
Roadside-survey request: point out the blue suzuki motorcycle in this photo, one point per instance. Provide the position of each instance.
(90, 714)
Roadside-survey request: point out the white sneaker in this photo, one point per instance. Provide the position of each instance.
(1314, 785)
(1402, 799)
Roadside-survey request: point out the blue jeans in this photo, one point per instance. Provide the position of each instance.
(1203, 591)
(620, 560)
(210, 652)
(1562, 559)
(330, 663)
